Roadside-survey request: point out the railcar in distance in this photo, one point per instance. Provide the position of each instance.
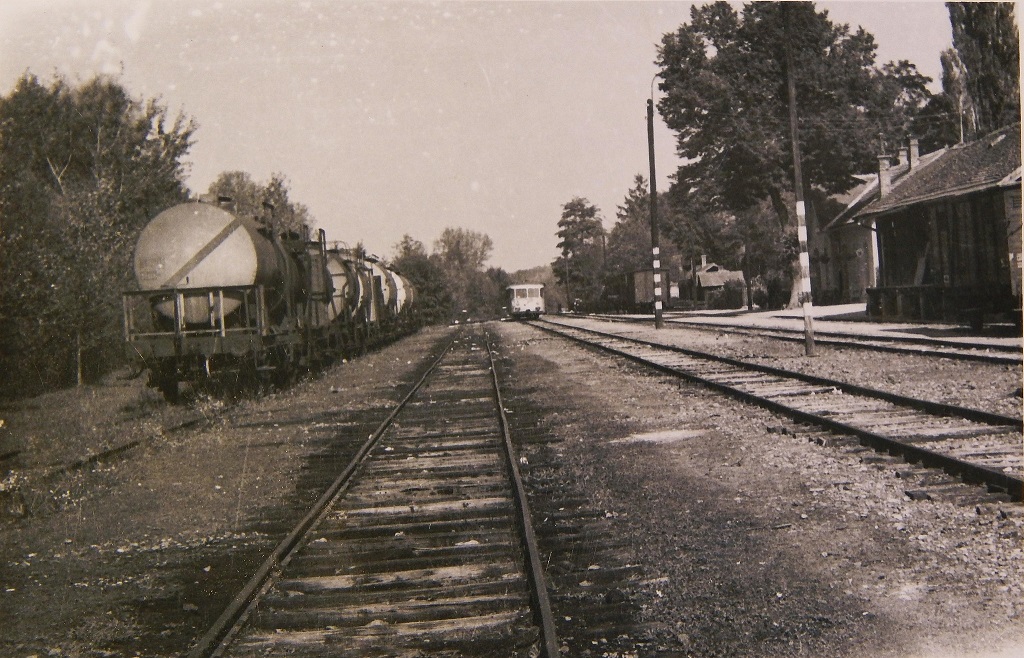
(526, 300)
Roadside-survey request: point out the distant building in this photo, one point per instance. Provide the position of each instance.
(643, 290)
(937, 236)
(706, 286)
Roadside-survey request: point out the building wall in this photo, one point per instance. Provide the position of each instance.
(1012, 212)
(643, 289)
(950, 258)
(842, 258)
(842, 265)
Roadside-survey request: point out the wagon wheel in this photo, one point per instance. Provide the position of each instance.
(361, 340)
(286, 370)
(163, 376)
(169, 387)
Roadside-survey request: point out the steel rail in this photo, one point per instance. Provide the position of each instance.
(936, 408)
(539, 589)
(212, 642)
(974, 473)
(930, 347)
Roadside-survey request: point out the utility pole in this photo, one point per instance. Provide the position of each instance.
(801, 225)
(659, 322)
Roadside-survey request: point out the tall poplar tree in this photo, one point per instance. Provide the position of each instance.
(987, 42)
(954, 88)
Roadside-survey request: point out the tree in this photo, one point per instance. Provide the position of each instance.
(629, 241)
(581, 239)
(249, 198)
(463, 249)
(988, 46)
(408, 248)
(433, 298)
(452, 279)
(487, 297)
(958, 98)
(461, 254)
(902, 104)
(724, 78)
(289, 216)
(949, 117)
(724, 83)
(766, 250)
(81, 172)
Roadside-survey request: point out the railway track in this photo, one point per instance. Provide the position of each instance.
(978, 446)
(423, 544)
(922, 346)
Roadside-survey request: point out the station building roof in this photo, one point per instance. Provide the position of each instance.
(990, 162)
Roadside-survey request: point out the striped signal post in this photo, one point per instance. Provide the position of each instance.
(801, 218)
(805, 278)
(659, 321)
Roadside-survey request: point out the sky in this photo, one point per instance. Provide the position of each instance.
(404, 118)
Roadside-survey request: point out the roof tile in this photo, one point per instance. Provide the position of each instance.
(964, 168)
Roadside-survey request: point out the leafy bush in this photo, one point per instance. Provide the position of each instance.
(732, 295)
(81, 172)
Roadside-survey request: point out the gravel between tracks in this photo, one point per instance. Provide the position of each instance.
(761, 543)
(754, 541)
(995, 388)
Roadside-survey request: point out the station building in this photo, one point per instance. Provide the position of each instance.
(935, 236)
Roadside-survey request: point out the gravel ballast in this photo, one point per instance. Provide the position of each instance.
(756, 537)
(760, 540)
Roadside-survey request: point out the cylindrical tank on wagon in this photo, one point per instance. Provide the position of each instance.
(404, 295)
(387, 284)
(410, 293)
(198, 245)
(349, 289)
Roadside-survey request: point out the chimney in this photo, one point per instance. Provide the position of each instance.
(703, 261)
(914, 154)
(884, 176)
(903, 156)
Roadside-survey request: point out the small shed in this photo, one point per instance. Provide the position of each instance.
(711, 280)
(643, 290)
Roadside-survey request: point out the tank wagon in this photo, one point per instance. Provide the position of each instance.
(224, 300)
(526, 300)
